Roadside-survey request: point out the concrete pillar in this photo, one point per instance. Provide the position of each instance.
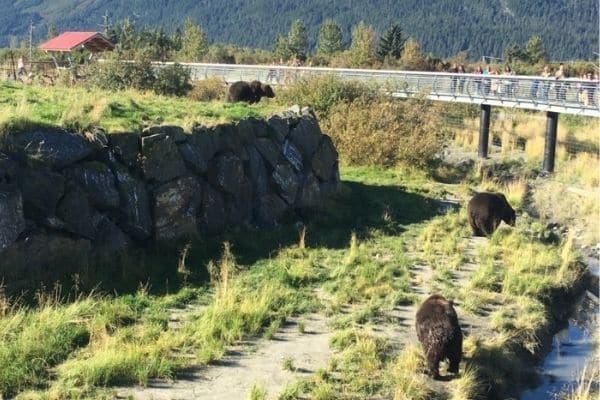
(550, 144)
(484, 130)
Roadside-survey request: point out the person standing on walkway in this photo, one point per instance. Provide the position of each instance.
(560, 86)
(546, 73)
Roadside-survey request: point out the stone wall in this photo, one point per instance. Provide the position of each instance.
(66, 198)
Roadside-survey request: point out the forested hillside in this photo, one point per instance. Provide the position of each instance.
(568, 28)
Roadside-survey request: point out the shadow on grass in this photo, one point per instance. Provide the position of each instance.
(366, 210)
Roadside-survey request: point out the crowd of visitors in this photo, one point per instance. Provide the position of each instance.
(552, 86)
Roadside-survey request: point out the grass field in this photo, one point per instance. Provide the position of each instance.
(387, 239)
(79, 107)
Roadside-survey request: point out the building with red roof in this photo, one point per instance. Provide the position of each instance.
(67, 42)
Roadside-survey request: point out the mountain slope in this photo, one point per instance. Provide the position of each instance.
(568, 28)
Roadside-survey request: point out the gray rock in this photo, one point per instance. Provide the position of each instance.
(42, 190)
(280, 127)
(310, 194)
(76, 212)
(176, 205)
(41, 256)
(258, 172)
(161, 159)
(175, 132)
(127, 147)
(269, 151)
(12, 221)
(286, 182)
(227, 173)
(109, 238)
(98, 181)
(307, 112)
(325, 159)
(136, 218)
(292, 154)
(212, 213)
(200, 147)
(229, 139)
(8, 169)
(250, 128)
(295, 109)
(269, 210)
(54, 147)
(306, 136)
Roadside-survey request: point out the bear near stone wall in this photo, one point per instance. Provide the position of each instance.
(486, 210)
(439, 333)
(248, 92)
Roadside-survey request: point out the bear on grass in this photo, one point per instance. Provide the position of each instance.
(249, 92)
(486, 210)
(439, 333)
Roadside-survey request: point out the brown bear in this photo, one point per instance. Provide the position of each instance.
(439, 333)
(486, 210)
(249, 92)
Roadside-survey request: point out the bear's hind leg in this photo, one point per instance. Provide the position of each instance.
(433, 364)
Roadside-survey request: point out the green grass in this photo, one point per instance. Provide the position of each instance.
(359, 251)
(79, 107)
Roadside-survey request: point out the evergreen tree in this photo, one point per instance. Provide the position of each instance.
(126, 36)
(391, 43)
(513, 53)
(108, 29)
(534, 50)
(330, 38)
(298, 40)
(177, 39)
(282, 48)
(363, 43)
(194, 43)
(52, 32)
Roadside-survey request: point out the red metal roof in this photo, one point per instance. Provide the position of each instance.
(69, 41)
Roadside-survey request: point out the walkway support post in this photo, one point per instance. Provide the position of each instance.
(550, 143)
(484, 130)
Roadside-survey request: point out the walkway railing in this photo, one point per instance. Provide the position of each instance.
(570, 96)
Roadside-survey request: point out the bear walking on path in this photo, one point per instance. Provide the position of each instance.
(485, 212)
(249, 92)
(439, 333)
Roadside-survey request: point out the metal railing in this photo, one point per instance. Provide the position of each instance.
(571, 96)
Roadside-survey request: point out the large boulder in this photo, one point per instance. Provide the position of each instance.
(98, 181)
(136, 218)
(176, 205)
(12, 221)
(269, 210)
(127, 147)
(324, 161)
(269, 150)
(280, 127)
(212, 213)
(306, 136)
(227, 173)
(199, 149)
(161, 160)
(53, 147)
(110, 239)
(310, 194)
(286, 182)
(76, 212)
(9, 169)
(173, 131)
(293, 155)
(42, 190)
(232, 140)
(257, 172)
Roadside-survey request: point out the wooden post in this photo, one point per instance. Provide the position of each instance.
(550, 143)
(484, 130)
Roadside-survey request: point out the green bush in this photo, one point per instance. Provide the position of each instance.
(115, 74)
(386, 132)
(324, 92)
(173, 80)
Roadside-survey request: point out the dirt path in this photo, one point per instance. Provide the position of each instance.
(258, 362)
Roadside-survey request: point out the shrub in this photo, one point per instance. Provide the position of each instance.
(115, 74)
(324, 92)
(385, 132)
(173, 80)
(208, 90)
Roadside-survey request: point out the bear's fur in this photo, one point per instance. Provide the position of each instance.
(249, 92)
(486, 210)
(439, 333)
